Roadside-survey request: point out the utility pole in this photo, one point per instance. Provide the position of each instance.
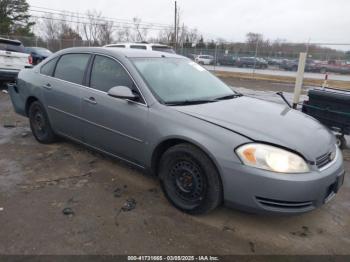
(255, 56)
(175, 27)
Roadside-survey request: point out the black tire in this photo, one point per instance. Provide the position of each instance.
(294, 68)
(190, 180)
(39, 124)
(341, 141)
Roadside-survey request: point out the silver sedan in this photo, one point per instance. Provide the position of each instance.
(166, 114)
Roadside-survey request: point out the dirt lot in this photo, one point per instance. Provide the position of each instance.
(38, 182)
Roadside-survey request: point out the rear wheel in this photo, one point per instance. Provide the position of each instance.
(39, 124)
(190, 180)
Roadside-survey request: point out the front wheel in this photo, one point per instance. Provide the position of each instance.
(39, 124)
(190, 180)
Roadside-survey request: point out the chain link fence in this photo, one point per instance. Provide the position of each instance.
(276, 59)
(333, 59)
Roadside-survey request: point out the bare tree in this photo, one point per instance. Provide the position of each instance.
(253, 40)
(193, 36)
(106, 31)
(140, 33)
(165, 35)
(50, 28)
(121, 34)
(91, 29)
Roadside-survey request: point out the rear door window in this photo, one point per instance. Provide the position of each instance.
(49, 67)
(71, 67)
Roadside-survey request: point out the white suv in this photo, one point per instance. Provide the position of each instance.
(144, 46)
(204, 59)
(12, 59)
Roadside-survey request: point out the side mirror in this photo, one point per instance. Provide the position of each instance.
(122, 92)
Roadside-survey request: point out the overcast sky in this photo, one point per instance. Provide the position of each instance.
(293, 20)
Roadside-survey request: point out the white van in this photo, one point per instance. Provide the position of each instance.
(204, 59)
(144, 46)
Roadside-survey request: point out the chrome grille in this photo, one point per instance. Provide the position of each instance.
(325, 159)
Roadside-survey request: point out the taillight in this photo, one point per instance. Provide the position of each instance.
(30, 59)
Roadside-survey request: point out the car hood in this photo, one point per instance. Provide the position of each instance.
(267, 122)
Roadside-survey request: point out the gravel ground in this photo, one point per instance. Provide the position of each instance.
(65, 199)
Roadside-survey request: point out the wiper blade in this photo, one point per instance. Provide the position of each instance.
(228, 97)
(190, 102)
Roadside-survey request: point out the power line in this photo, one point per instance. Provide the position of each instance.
(98, 19)
(89, 23)
(81, 15)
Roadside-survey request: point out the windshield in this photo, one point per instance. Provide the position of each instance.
(176, 79)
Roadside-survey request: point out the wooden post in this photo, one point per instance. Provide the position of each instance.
(299, 79)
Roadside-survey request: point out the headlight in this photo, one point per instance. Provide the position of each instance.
(271, 158)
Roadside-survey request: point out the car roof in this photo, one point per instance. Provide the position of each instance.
(10, 41)
(36, 47)
(136, 43)
(119, 52)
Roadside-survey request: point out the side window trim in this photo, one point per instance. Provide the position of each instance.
(143, 102)
(87, 73)
(54, 68)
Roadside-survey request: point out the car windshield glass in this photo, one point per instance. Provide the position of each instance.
(175, 80)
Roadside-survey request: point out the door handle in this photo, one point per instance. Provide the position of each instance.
(90, 100)
(47, 86)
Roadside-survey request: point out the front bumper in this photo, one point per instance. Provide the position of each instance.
(256, 190)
